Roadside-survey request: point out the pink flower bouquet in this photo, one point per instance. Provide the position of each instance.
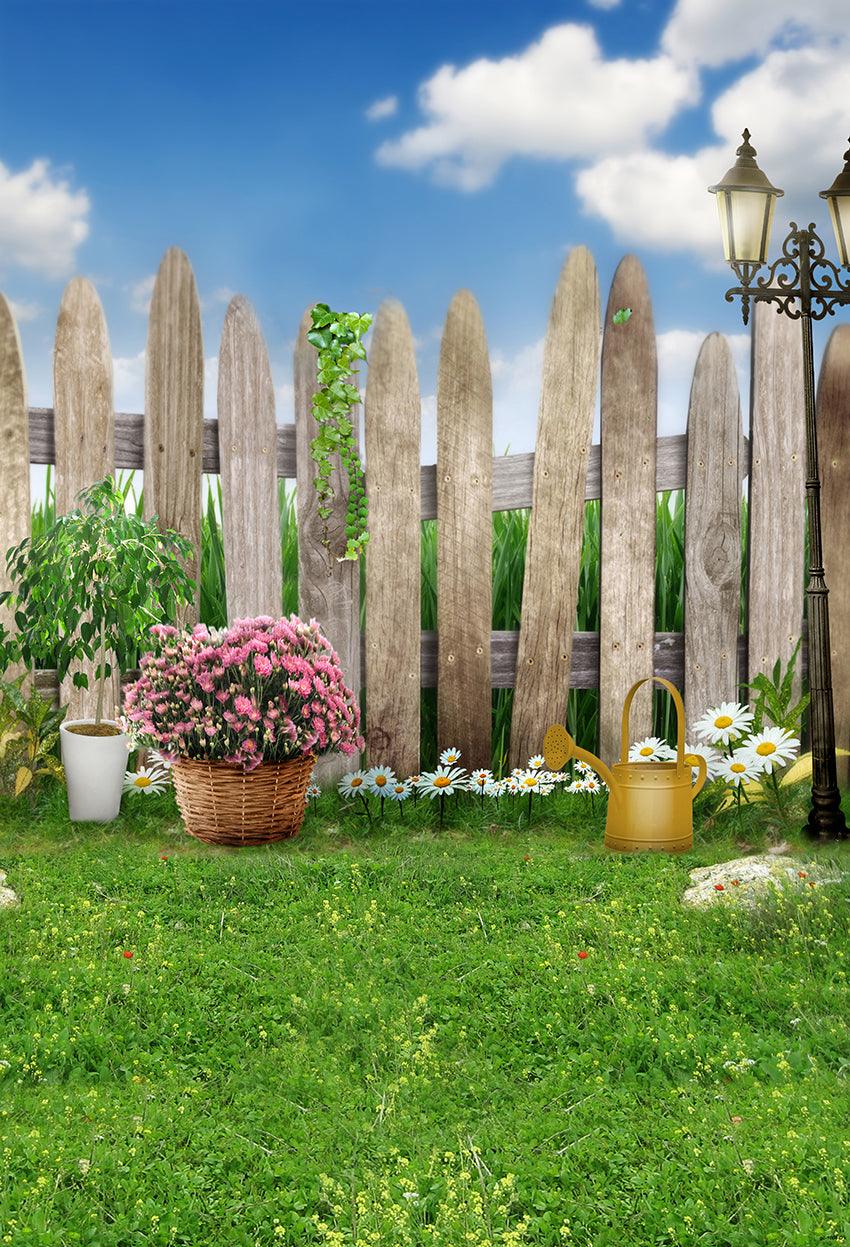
(261, 690)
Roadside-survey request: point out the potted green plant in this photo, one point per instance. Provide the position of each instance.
(89, 589)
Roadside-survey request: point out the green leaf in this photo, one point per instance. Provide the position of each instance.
(622, 315)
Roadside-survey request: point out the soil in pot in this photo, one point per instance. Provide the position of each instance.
(94, 729)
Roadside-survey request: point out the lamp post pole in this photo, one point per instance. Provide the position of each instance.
(806, 286)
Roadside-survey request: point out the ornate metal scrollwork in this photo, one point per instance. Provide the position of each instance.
(801, 281)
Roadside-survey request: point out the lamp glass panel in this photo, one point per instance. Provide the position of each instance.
(839, 211)
(750, 238)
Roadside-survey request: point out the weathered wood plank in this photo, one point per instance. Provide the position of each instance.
(776, 489)
(564, 430)
(393, 597)
(834, 437)
(328, 591)
(712, 531)
(247, 450)
(174, 407)
(464, 534)
(15, 514)
(629, 413)
(84, 432)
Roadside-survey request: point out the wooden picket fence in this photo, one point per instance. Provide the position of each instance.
(465, 659)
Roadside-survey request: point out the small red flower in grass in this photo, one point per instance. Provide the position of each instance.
(128, 952)
(527, 857)
(736, 883)
(582, 954)
(719, 887)
(802, 874)
(163, 857)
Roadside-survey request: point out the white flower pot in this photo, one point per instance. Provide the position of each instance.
(95, 767)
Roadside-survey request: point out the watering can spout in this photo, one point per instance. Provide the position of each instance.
(559, 747)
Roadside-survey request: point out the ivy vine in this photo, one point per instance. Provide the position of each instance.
(337, 338)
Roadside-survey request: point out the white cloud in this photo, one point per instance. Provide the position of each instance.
(42, 220)
(558, 99)
(23, 311)
(380, 109)
(714, 32)
(604, 4)
(656, 200)
(677, 355)
(128, 383)
(140, 294)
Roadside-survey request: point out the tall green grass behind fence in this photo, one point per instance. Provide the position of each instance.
(510, 536)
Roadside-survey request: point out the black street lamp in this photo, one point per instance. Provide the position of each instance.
(805, 286)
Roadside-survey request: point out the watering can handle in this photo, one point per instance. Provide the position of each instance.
(680, 718)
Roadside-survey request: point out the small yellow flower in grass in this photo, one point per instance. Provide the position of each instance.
(771, 748)
(144, 780)
(721, 724)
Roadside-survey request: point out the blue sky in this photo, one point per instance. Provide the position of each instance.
(506, 133)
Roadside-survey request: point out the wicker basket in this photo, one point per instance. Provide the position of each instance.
(222, 805)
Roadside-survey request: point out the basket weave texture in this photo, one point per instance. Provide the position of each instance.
(221, 804)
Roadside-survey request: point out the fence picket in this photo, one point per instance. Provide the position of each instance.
(464, 534)
(777, 474)
(84, 429)
(834, 434)
(393, 609)
(564, 432)
(247, 438)
(712, 530)
(15, 513)
(629, 412)
(174, 407)
(327, 590)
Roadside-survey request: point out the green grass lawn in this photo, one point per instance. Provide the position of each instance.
(387, 1036)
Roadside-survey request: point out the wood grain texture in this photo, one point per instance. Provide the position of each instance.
(84, 431)
(464, 534)
(777, 475)
(712, 531)
(15, 512)
(834, 452)
(393, 593)
(328, 591)
(247, 450)
(564, 431)
(174, 407)
(629, 414)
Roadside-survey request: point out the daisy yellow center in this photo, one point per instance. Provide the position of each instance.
(442, 781)
(723, 720)
(399, 788)
(530, 782)
(141, 781)
(380, 781)
(355, 783)
(766, 748)
(738, 767)
(647, 751)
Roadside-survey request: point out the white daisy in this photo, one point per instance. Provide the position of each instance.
(712, 756)
(354, 784)
(493, 788)
(144, 780)
(576, 786)
(583, 767)
(379, 780)
(444, 782)
(739, 769)
(771, 748)
(592, 784)
(652, 749)
(399, 790)
(449, 757)
(313, 792)
(479, 780)
(722, 724)
(535, 763)
(532, 781)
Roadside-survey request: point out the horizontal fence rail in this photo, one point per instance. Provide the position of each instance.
(513, 475)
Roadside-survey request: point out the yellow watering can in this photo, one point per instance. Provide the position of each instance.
(651, 803)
